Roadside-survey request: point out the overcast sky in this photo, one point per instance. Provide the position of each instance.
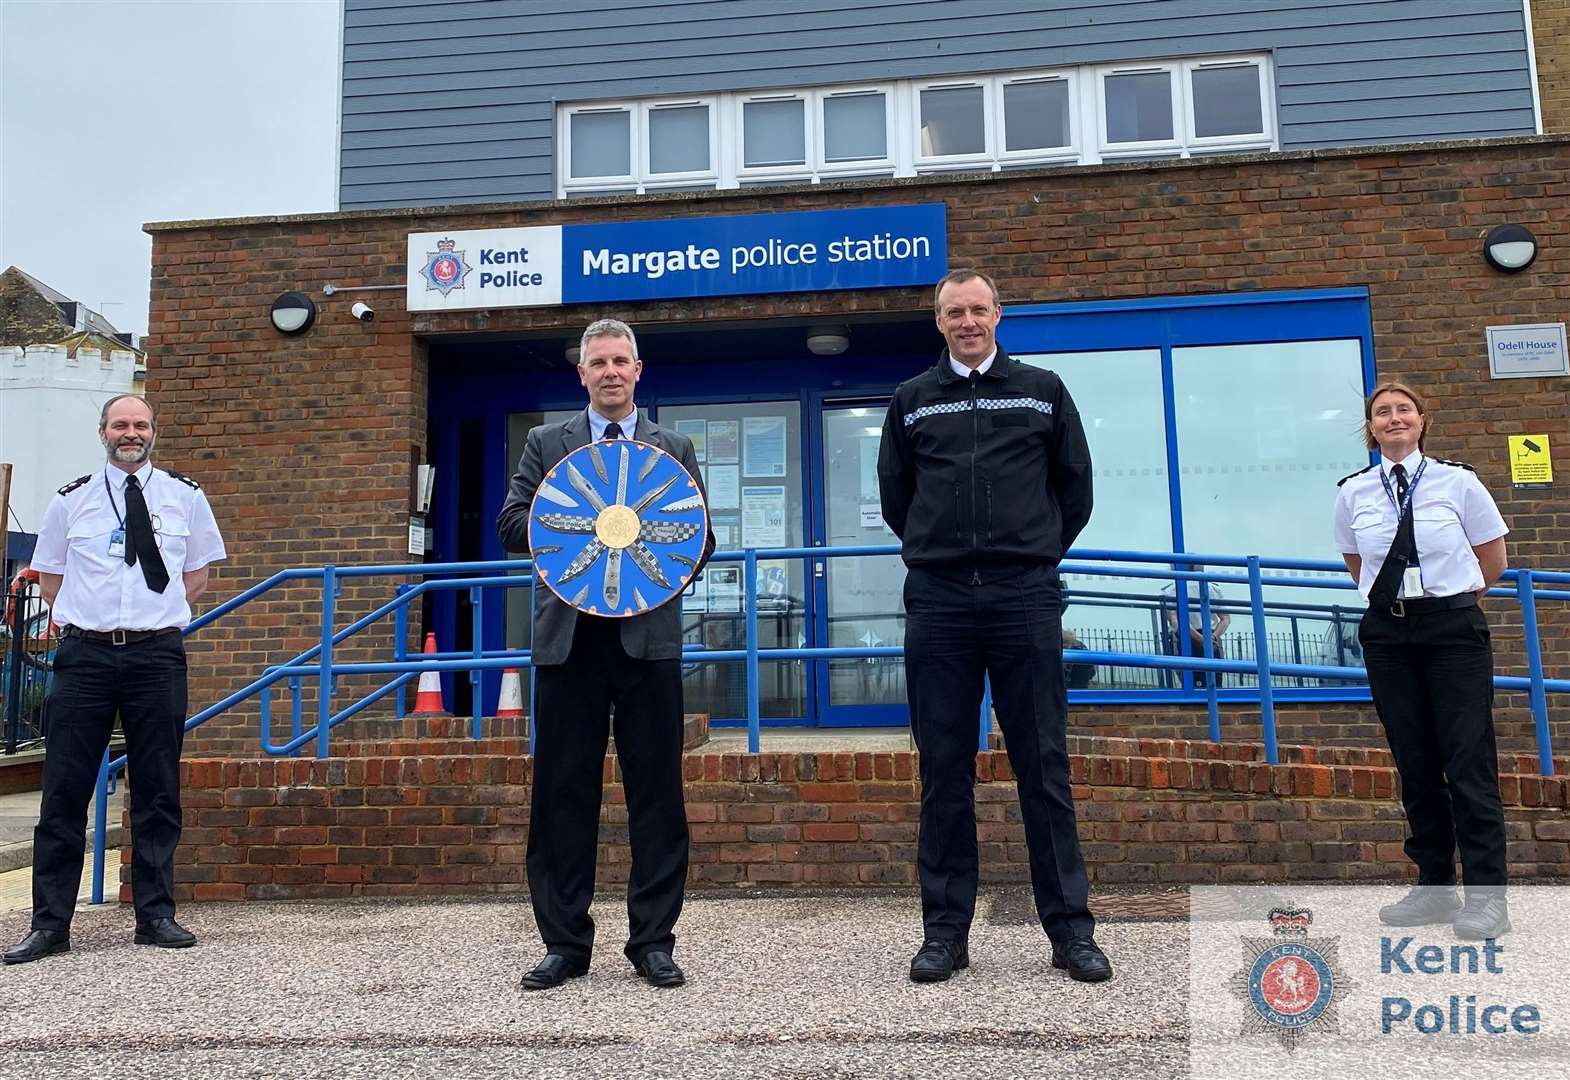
(121, 112)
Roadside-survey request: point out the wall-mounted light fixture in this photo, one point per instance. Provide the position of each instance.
(1510, 248)
(827, 340)
(292, 313)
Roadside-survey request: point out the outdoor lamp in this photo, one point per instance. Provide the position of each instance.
(1509, 248)
(292, 313)
(827, 340)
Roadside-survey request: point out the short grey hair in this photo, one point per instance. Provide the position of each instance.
(103, 414)
(607, 328)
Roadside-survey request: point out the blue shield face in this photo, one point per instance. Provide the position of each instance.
(617, 528)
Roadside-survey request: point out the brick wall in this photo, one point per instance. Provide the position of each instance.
(451, 817)
(304, 443)
(1551, 41)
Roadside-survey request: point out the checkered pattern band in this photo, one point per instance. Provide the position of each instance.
(1043, 407)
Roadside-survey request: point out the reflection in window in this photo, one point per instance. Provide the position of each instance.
(1226, 101)
(1271, 428)
(774, 133)
(1139, 107)
(953, 121)
(855, 127)
(750, 457)
(679, 139)
(1036, 114)
(601, 143)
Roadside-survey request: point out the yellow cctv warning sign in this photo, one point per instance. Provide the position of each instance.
(1529, 461)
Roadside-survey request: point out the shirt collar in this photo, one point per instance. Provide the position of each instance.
(118, 477)
(981, 369)
(1409, 463)
(598, 424)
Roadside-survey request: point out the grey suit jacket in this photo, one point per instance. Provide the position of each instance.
(655, 635)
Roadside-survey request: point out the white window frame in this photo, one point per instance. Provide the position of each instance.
(652, 181)
(1265, 139)
(579, 184)
(756, 173)
(987, 158)
(1069, 152)
(1172, 147)
(883, 166)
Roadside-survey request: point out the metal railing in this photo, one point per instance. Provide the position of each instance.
(318, 661)
(27, 643)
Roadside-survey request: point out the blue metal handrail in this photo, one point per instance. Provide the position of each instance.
(507, 574)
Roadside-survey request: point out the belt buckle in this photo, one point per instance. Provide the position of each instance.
(1398, 609)
(117, 637)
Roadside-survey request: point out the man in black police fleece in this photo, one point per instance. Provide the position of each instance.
(985, 478)
(584, 665)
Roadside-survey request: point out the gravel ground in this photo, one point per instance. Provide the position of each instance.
(790, 987)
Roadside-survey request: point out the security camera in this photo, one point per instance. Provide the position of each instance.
(363, 312)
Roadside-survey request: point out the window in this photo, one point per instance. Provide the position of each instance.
(1079, 115)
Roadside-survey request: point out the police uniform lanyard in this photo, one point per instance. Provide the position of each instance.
(116, 538)
(1412, 579)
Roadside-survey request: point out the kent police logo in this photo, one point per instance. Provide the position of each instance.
(444, 268)
(1292, 984)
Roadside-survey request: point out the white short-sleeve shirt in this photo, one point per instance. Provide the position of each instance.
(1452, 513)
(100, 591)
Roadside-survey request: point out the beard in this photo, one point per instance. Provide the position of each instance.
(128, 451)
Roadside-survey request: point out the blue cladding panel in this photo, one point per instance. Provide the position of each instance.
(479, 80)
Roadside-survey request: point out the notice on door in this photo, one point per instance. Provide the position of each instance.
(1530, 463)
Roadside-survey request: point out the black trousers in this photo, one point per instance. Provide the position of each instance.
(1431, 676)
(144, 684)
(1010, 630)
(574, 702)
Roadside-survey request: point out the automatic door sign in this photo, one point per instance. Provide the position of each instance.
(1530, 462)
(617, 528)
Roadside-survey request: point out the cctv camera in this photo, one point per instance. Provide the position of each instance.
(363, 312)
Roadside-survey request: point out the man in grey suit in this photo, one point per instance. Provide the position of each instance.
(584, 665)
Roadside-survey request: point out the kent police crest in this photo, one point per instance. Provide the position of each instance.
(1293, 984)
(444, 268)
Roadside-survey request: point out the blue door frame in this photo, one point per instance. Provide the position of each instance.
(491, 390)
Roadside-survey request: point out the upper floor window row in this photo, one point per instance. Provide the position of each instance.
(1080, 115)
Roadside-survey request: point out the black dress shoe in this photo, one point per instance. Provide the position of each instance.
(1084, 960)
(165, 933)
(554, 970)
(37, 945)
(658, 969)
(937, 960)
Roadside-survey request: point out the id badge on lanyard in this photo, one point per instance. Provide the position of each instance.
(1412, 576)
(117, 544)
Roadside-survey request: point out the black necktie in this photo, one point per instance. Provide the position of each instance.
(613, 431)
(1386, 589)
(143, 544)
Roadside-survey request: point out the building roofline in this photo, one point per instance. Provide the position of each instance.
(469, 210)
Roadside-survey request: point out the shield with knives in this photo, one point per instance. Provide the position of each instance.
(617, 528)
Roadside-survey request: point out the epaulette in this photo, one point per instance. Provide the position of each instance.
(1359, 472)
(1457, 464)
(74, 484)
(186, 480)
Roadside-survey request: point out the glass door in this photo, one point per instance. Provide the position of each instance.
(859, 598)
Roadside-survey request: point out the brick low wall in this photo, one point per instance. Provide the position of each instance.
(447, 817)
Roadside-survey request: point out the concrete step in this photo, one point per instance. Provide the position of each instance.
(18, 815)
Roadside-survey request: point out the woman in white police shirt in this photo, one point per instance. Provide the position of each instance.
(1422, 569)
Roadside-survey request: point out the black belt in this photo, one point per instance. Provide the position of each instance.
(1428, 605)
(117, 637)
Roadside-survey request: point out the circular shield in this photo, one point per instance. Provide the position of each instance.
(1290, 985)
(617, 528)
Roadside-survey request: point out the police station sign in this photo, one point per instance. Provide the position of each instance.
(806, 251)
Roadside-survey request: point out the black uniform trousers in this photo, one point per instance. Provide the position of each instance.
(1432, 680)
(1008, 628)
(144, 683)
(574, 702)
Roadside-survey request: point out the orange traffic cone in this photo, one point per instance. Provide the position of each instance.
(429, 699)
(511, 701)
